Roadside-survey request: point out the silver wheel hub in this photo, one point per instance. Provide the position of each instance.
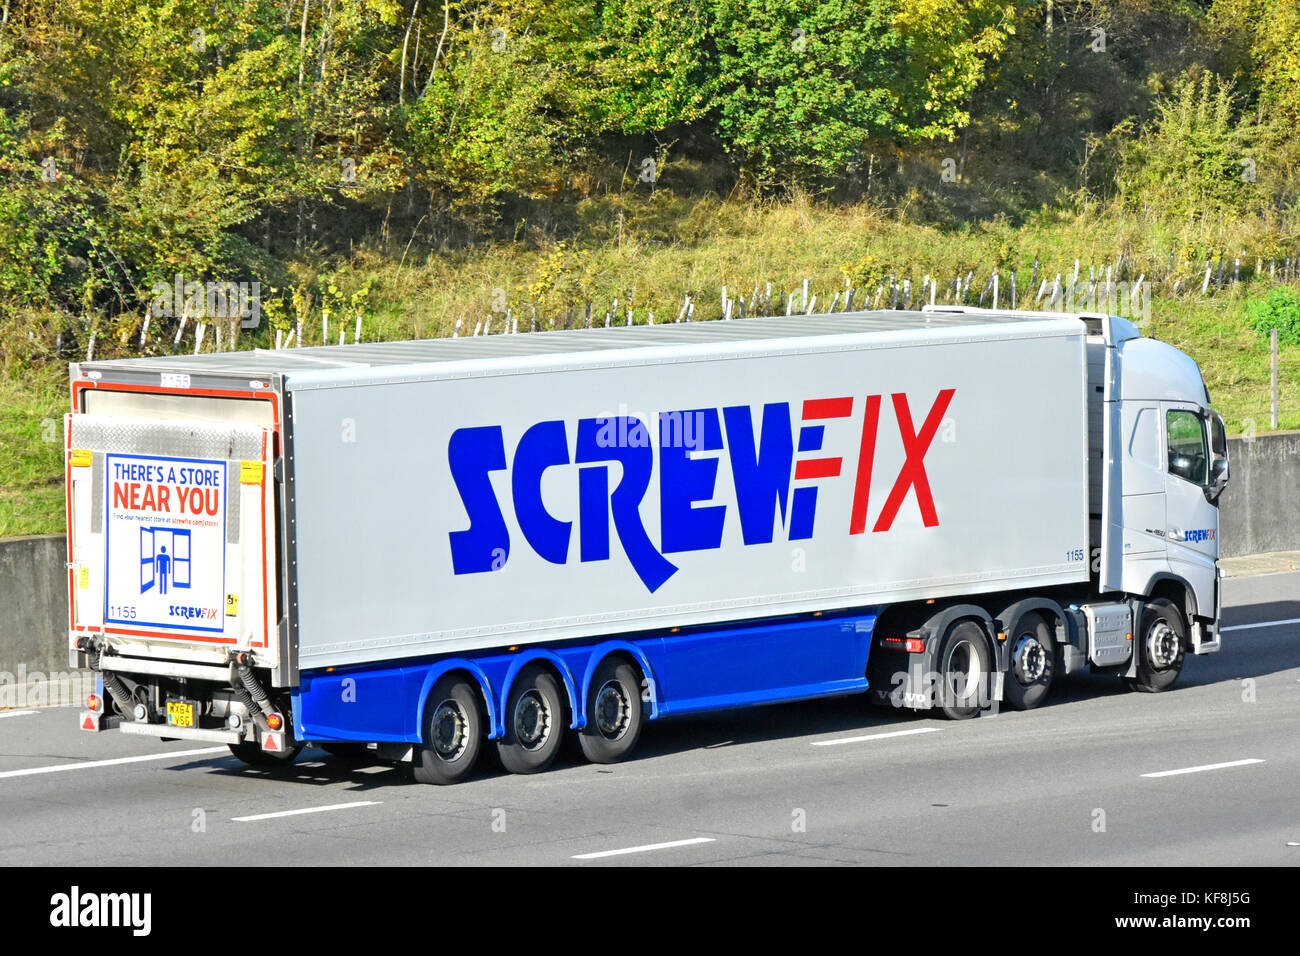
(532, 720)
(1029, 659)
(612, 710)
(449, 726)
(1162, 645)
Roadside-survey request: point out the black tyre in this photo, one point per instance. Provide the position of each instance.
(253, 755)
(1032, 665)
(534, 722)
(614, 716)
(1159, 650)
(964, 662)
(453, 733)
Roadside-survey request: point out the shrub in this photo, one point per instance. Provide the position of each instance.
(1280, 310)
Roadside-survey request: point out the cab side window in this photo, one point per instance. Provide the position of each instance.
(1188, 455)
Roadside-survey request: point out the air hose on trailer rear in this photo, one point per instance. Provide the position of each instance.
(250, 693)
(112, 683)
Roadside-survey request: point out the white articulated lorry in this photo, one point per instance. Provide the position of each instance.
(431, 547)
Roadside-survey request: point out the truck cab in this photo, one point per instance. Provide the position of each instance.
(1164, 467)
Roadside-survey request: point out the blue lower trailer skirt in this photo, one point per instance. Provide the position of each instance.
(689, 671)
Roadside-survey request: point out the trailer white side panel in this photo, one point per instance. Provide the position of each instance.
(591, 527)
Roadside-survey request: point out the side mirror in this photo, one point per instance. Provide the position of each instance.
(1219, 473)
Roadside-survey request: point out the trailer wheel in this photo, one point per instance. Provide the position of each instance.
(964, 661)
(1033, 663)
(253, 755)
(1160, 647)
(614, 717)
(534, 722)
(453, 732)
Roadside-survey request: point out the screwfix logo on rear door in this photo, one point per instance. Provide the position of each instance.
(779, 456)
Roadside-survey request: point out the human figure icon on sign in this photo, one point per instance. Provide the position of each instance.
(163, 564)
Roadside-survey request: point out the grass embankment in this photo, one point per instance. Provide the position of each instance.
(667, 246)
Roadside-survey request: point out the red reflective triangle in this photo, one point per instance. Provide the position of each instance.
(270, 744)
(88, 723)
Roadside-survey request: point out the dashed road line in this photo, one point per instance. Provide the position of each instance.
(892, 733)
(116, 761)
(1246, 627)
(1204, 767)
(295, 813)
(644, 849)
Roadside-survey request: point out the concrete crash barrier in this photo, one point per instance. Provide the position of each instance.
(34, 668)
(1259, 513)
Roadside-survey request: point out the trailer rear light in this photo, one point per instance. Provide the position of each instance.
(92, 702)
(275, 721)
(912, 645)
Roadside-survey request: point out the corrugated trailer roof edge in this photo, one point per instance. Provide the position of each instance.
(333, 364)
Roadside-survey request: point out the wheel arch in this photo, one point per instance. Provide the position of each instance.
(638, 659)
(557, 666)
(1006, 620)
(1179, 590)
(473, 672)
(938, 623)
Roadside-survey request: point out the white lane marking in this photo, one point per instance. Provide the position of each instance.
(1208, 766)
(892, 733)
(17, 713)
(644, 849)
(91, 764)
(1246, 627)
(294, 813)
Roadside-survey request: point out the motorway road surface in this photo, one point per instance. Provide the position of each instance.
(822, 782)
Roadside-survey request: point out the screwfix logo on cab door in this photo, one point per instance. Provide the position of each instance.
(777, 470)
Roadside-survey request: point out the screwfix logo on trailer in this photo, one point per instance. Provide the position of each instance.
(166, 530)
(777, 475)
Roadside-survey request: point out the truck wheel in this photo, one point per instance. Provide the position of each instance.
(534, 722)
(1159, 648)
(453, 733)
(614, 717)
(253, 755)
(964, 670)
(1033, 663)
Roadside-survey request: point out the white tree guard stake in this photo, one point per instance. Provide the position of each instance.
(199, 332)
(455, 333)
(279, 336)
(180, 330)
(216, 334)
(356, 337)
(343, 336)
(478, 327)
(90, 348)
(292, 336)
(324, 328)
(144, 329)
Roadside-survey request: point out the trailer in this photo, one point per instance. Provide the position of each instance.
(424, 548)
